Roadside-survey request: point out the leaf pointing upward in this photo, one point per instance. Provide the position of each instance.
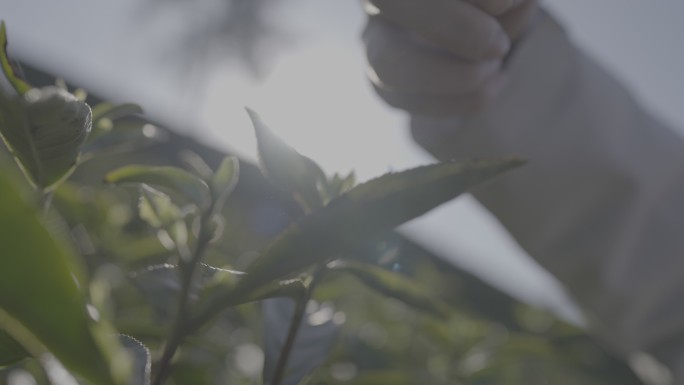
(286, 168)
(17, 83)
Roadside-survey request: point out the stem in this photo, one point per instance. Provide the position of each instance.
(295, 324)
(180, 328)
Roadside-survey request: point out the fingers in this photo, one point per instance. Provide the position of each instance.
(396, 62)
(496, 7)
(442, 57)
(454, 25)
(438, 106)
(518, 19)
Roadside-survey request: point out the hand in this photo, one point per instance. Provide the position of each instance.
(442, 57)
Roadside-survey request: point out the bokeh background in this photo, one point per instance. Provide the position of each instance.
(194, 64)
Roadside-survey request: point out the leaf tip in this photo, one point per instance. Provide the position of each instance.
(253, 116)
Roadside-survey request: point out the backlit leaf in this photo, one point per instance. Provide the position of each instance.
(286, 168)
(115, 111)
(224, 180)
(367, 212)
(172, 178)
(156, 208)
(17, 83)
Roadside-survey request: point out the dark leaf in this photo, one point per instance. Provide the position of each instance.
(160, 284)
(140, 357)
(46, 129)
(221, 293)
(394, 285)
(315, 339)
(40, 295)
(286, 168)
(11, 351)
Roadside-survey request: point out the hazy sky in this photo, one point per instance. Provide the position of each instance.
(317, 98)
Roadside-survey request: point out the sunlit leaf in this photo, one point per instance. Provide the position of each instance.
(172, 178)
(17, 83)
(286, 168)
(115, 111)
(158, 211)
(156, 207)
(40, 294)
(196, 164)
(45, 129)
(11, 351)
(224, 180)
(338, 185)
(365, 213)
(394, 285)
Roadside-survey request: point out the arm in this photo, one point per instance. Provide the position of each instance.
(599, 204)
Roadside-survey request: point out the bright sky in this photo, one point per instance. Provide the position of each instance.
(317, 98)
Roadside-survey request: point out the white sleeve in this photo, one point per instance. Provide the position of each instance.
(600, 203)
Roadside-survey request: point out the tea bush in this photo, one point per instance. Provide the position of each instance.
(143, 279)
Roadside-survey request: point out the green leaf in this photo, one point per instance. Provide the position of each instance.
(365, 213)
(196, 164)
(156, 208)
(158, 211)
(394, 285)
(172, 178)
(288, 169)
(223, 292)
(41, 301)
(115, 111)
(46, 129)
(17, 83)
(224, 181)
(11, 351)
(338, 185)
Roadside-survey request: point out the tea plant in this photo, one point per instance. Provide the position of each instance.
(106, 319)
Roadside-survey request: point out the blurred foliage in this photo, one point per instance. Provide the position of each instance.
(237, 30)
(179, 255)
